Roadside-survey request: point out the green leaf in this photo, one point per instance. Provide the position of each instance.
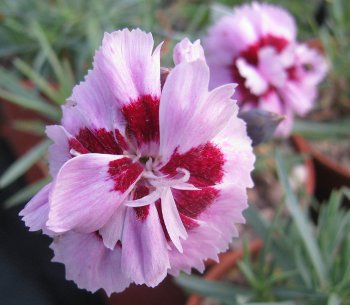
(58, 69)
(224, 292)
(315, 130)
(333, 300)
(26, 193)
(30, 126)
(301, 293)
(33, 104)
(302, 224)
(38, 80)
(18, 168)
(273, 303)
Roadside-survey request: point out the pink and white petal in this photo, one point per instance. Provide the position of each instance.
(112, 231)
(317, 63)
(236, 147)
(88, 189)
(92, 105)
(129, 67)
(36, 211)
(271, 67)
(298, 98)
(59, 151)
(189, 115)
(231, 35)
(274, 20)
(144, 248)
(220, 74)
(272, 102)
(89, 263)
(187, 51)
(254, 80)
(216, 229)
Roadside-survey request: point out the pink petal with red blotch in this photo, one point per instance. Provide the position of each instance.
(144, 249)
(215, 229)
(92, 105)
(189, 115)
(36, 211)
(89, 263)
(88, 189)
(129, 66)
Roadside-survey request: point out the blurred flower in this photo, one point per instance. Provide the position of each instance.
(147, 180)
(256, 47)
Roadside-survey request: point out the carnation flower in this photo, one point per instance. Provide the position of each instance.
(146, 179)
(256, 47)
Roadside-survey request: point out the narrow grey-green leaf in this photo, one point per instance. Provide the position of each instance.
(18, 168)
(26, 193)
(316, 130)
(36, 105)
(224, 292)
(302, 224)
(38, 80)
(30, 126)
(273, 303)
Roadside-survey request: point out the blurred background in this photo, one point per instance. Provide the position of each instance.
(46, 47)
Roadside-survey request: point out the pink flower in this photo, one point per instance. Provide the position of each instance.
(147, 180)
(256, 47)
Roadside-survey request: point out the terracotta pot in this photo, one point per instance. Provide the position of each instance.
(228, 261)
(329, 174)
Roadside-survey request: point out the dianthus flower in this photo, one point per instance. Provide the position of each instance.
(256, 47)
(147, 178)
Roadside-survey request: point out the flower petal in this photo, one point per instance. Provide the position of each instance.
(144, 249)
(130, 69)
(88, 190)
(190, 115)
(89, 263)
(92, 105)
(35, 213)
(59, 151)
(215, 229)
(253, 79)
(187, 51)
(237, 151)
(271, 67)
(112, 231)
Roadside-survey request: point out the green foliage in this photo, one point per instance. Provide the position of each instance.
(300, 263)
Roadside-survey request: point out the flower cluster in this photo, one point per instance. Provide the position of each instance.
(256, 47)
(147, 178)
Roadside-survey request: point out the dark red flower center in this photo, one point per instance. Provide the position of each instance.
(251, 55)
(204, 163)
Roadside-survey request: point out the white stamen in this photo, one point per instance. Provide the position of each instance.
(172, 219)
(146, 200)
(73, 152)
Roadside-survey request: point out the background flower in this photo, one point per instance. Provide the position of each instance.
(256, 47)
